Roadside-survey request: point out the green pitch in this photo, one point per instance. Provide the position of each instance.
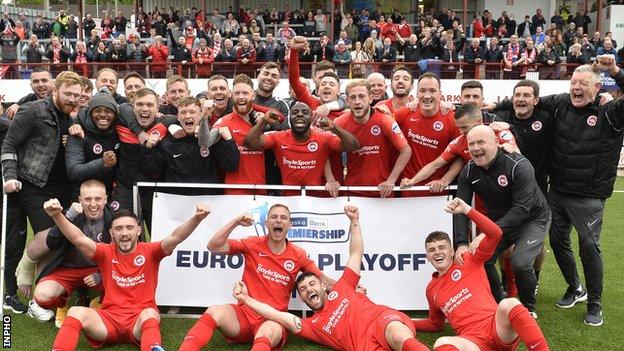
(563, 328)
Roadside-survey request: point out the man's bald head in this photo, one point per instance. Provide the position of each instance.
(482, 145)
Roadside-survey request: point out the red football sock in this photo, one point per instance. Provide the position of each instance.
(58, 301)
(200, 334)
(413, 345)
(150, 334)
(446, 348)
(527, 329)
(510, 278)
(68, 335)
(261, 344)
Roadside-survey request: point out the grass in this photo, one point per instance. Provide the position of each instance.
(564, 329)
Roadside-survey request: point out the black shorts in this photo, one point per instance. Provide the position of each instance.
(32, 198)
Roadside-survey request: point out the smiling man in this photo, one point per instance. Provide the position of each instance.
(272, 264)
(343, 318)
(460, 294)
(506, 185)
(130, 275)
(41, 83)
(177, 88)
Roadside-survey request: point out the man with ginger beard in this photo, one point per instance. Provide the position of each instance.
(182, 160)
(302, 145)
(41, 83)
(428, 132)
(379, 135)
(33, 163)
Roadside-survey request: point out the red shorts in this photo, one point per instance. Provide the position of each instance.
(71, 278)
(249, 322)
(378, 338)
(486, 337)
(119, 325)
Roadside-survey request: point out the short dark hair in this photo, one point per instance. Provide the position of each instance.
(271, 65)
(471, 84)
(278, 205)
(436, 236)
(40, 69)
(86, 83)
(528, 83)
(429, 75)
(331, 74)
(216, 77)
(134, 74)
(242, 78)
(469, 109)
(302, 276)
(324, 65)
(406, 69)
(121, 213)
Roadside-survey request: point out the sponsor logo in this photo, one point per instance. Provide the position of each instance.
(289, 265)
(313, 146)
(332, 296)
(502, 180)
(114, 261)
(456, 275)
(114, 205)
(318, 227)
(591, 120)
(536, 126)
(438, 126)
(262, 254)
(204, 152)
(589, 224)
(236, 130)
(395, 128)
(97, 149)
(139, 260)
(284, 146)
(476, 181)
(531, 242)
(375, 130)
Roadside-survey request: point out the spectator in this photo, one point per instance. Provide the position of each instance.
(539, 36)
(230, 24)
(25, 23)
(93, 42)
(309, 26)
(526, 28)
(550, 61)
(101, 54)
(120, 24)
(363, 25)
(607, 48)
(88, 24)
(581, 20)
(118, 54)
(273, 51)
(620, 55)
(72, 30)
(181, 54)
(159, 53)
(323, 50)
(80, 58)
(575, 57)
(107, 25)
(58, 55)
(321, 22)
(142, 26)
(477, 27)
(246, 55)
(359, 56)
(371, 51)
(538, 19)
(559, 46)
(34, 51)
(217, 19)
(227, 53)
(474, 55)
(137, 52)
(493, 54)
(511, 25)
(512, 58)
(412, 49)
(6, 22)
(610, 35)
(386, 56)
(557, 20)
(596, 40)
(529, 57)
(351, 30)
(488, 26)
(390, 31)
(9, 42)
(285, 33)
(587, 49)
(449, 55)
(160, 26)
(254, 28)
(342, 59)
(259, 20)
(19, 30)
(375, 36)
(343, 36)
(203, 58)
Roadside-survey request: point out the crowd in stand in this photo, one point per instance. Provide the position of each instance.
(363, 41)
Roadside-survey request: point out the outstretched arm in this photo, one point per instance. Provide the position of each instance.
(356, 244)
(219, 242)
(183, 231)
(54, 209)
(424, 173)
(289, 321)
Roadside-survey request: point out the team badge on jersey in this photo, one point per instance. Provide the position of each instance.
(502, 180)
(332, 296)
(591, 120)
(97, 149)
(375, 130)
(438, 126)
(396, 128)
(505, 135)
(456, 275)
(536, 126)
(157, 133)
(289, 265)
(313, 146)
(114, 205)
(204, 152)
(139, 260)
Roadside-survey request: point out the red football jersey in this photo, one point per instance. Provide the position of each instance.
(371, 164)
(251, 166)
(428, 137)
(302, 163)
(459, 146)
(129, 280)
(347, 319)
(462, 294)
(270, 277)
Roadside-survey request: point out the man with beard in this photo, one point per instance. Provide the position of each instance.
(177, 88)
(106, 77)
(302, 152)
(68, 270)
(401, 86)
(272, 252)
(182, 160)
(361, 324)
(41, 83)
(33, 164)
(428, 132)
(129, 313)
(133, 81)
(379, 135)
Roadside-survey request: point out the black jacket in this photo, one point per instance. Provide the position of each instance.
(586, 144)
(508, 190)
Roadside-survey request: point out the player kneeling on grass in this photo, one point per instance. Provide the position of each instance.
(129, 275)
(461, 295)
(343, 318)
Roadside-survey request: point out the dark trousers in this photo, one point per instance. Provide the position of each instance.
(585, 214)
(528, 240)
(15, 240)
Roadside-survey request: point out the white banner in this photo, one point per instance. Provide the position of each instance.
(395, 270)
(493, 90)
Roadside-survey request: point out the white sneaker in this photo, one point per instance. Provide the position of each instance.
(39, 313)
